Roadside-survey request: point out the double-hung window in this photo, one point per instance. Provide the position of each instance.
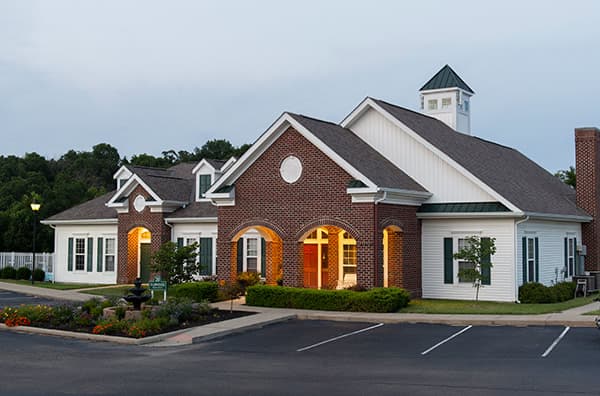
(570, 256)
(530, 259)
(464, 265)
(109, 254)
(432, 104)
(446, 103)
(79, 254)
(252, 254)
(203, 185)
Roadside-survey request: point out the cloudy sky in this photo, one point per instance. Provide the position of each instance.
(147, 76)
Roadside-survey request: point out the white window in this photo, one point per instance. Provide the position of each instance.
(466, 106)
(463, 243)
(446, 102)
(79, 254)
(204, 182)
(570, 270)
(252, 254)
(349, 258)
(109, 254)
(422, 102)
(432, 104)
(530, 260)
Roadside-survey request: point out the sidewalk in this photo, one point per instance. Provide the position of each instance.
(264, 316)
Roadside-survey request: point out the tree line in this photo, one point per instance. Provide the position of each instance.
(76, 177)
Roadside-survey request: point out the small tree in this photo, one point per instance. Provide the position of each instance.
(477, 251)
(176, 264)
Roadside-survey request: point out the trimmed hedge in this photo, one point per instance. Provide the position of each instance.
(375, 300)
(536, 293)
(197, 291)
(23, 273)
(39, 275)
(8, 273)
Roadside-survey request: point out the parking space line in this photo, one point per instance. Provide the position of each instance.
(556, 341)
(339, 337)
(446, 340)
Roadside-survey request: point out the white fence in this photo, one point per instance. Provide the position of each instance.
(16, 260)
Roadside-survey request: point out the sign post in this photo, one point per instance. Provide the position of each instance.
(158, 284)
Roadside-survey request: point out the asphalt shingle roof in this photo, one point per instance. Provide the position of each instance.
(195, 209)
(93, 209)
(446, 78)
(359, 154)
(514, 176)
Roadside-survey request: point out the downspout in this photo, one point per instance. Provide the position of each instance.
(516, 258)
(171, 227)
(376, 234)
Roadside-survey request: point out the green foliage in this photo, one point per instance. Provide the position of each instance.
(176, 264)
(374, 300)
(476, 251)
(23, 273)
(8, 273)
(36, 313)
(39, 275)
(567, 176)
(196, 291)
(176, 309)
(246, 279)
(536, 293)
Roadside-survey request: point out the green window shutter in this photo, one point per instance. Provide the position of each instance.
(537, 260)
(70, 256)
(90, 254)
(100, 255)
(240, 255)
(486, 272)
(448, 261)
(576, 258)
(205, 256)
(263, 257)
(566, 257)
(524, 255)
(179, 243)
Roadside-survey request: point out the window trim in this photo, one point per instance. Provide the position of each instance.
(106, 254)
(199, 194)
(75, 254)
(432, 104)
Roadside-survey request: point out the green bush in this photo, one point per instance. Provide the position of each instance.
(8, 273)
(23, 273)
(247, 279)
(197, 291)
(374, 300)
(39, 275)
(536, 293)
(176, 309)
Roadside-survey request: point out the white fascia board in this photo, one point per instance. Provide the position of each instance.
(227, 164)
(409, 193)
(200, 164)
(222, 199)
(129, 187)
(449, 89)
(470, 215)
(388, 196)
(266, 139)
(80, 222)
(120, 171)
(189, 220)
(558, 217)
(368, 102)
(118, 205)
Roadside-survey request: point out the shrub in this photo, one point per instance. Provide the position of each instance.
(39, 275)
(536, 293)
(197, 291)
(247, 279)
(23, 273)
(8, 273)
(37, 314)
(145, 327)
(374, 300)
(61, 315)
(176, 309)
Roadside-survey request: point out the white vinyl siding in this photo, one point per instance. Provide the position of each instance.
(191, 232)
(551, 238)
(427, 168)
(433, 232)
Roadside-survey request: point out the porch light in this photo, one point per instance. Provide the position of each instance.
(35, 207)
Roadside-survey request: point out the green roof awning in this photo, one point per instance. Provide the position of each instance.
(463, 207)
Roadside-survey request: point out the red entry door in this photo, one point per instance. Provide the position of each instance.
(311, 265)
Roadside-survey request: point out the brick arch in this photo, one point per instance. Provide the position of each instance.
(254, 223)
(326, 221)
(391, 222)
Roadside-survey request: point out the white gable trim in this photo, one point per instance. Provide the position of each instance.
(370, 103)
(131, 184)
(80, 221)
(202, 162)
(270, 136)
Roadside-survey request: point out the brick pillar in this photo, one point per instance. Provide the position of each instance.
(395, 259)
(333, 260)
(292, 267)
(273, 261)
(365, 270)
(587, 161)
(226, 252)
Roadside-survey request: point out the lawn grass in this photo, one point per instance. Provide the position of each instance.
(50, 285)
(490, 307)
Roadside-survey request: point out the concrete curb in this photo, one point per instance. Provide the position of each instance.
(240, 329)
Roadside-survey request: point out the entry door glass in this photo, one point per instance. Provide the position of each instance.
(145, 262)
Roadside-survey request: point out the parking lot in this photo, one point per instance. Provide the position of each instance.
(12, 299)
(316, 357)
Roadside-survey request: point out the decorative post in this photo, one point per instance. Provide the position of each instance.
(35, 207)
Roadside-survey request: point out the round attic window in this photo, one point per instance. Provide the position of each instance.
(139, 203)
(291, 169)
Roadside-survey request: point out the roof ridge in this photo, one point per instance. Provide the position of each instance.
(316, 119)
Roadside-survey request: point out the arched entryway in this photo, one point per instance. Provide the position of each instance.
(329, 258)
(258, 249)
(139, 252)
(393, 239)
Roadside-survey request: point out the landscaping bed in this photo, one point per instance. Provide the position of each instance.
(175, 314)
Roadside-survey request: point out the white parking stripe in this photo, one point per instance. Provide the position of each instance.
(555, 343)
(446, 340)
(339, 337)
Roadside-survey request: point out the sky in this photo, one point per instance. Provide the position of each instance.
(147, 76)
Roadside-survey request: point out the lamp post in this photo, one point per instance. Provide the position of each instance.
(35, 207)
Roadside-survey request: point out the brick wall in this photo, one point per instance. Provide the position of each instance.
(318, 198)
(154, 222)
(587, 161)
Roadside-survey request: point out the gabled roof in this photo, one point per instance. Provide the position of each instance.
(515, 177)
(446, 78)
(195, 209)
(217, 164)
(359, 154)
(94, 209)
(172, 184)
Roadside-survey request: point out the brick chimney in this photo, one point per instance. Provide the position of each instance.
(587, 165)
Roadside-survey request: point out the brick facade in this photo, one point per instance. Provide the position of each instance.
(127, 250)
(587, 161)
(318, 198)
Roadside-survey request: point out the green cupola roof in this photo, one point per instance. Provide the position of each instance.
(446, 78)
